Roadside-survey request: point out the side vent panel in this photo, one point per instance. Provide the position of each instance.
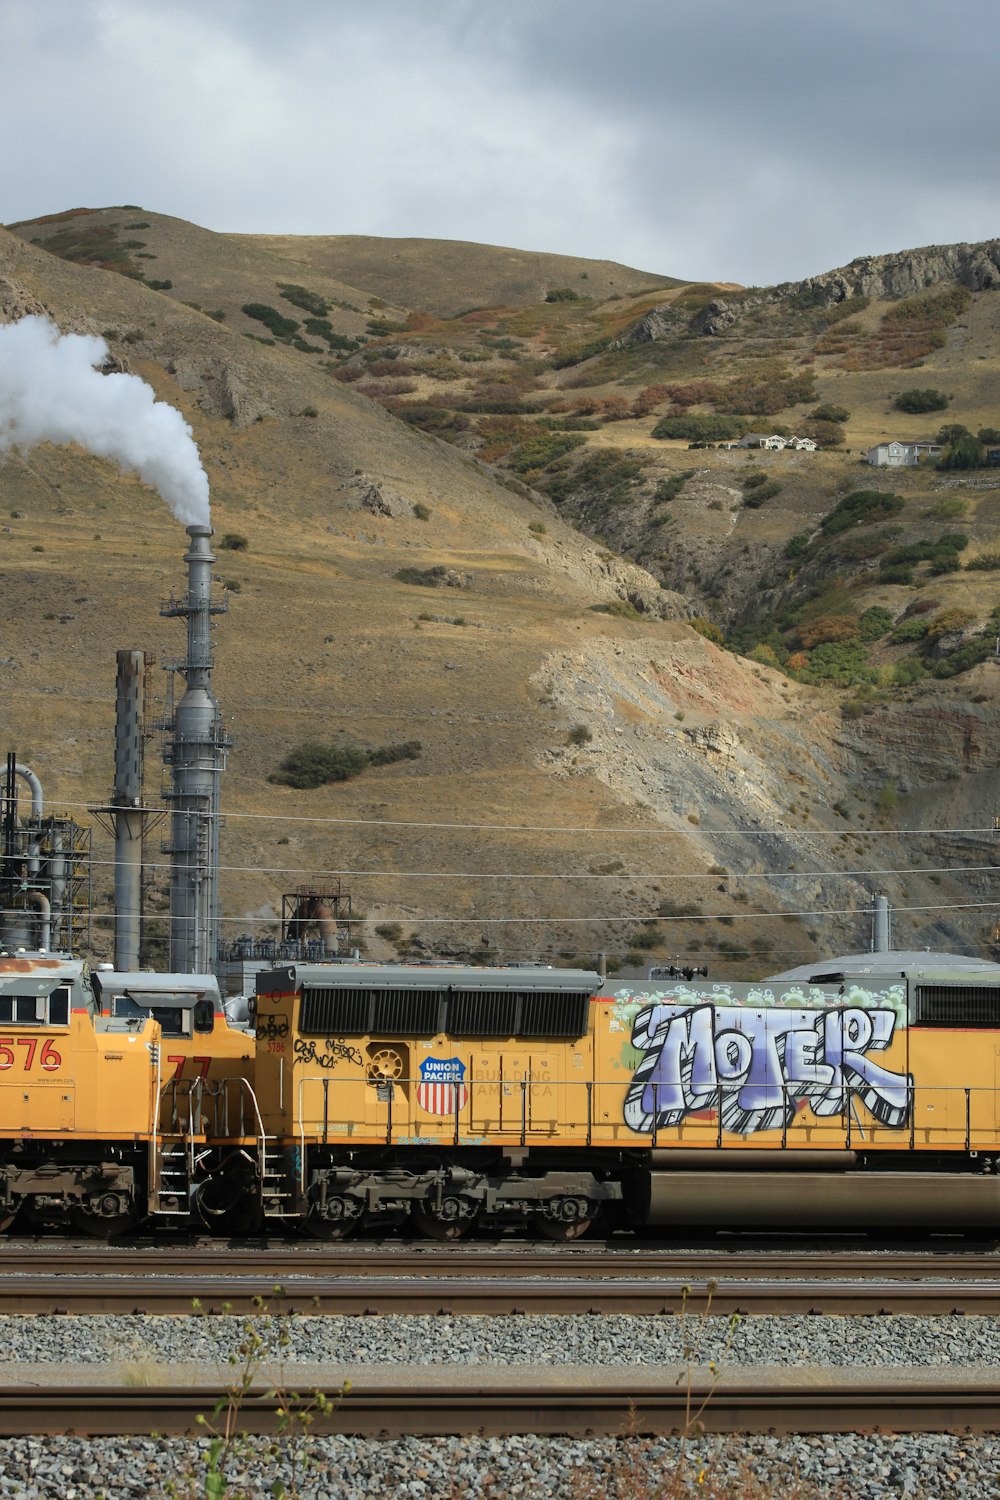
(555, 1014)
(330, 1012)
(959, 1005)
(483, 1013)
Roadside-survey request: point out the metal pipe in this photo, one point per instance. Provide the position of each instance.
(37, 797)
(41, 901)
(881, 939)
(126, 810)
(57, 883)
(37, 809)
(195, 753)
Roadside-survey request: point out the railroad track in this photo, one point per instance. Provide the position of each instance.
(305, 1259)
(242, 1294)
(474, 1405)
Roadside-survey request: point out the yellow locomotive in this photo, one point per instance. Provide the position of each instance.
(99, 1127)
(863, 1094)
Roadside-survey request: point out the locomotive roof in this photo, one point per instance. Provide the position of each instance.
(894, 964)
(164, 987)
(425, 977)
(37, 973)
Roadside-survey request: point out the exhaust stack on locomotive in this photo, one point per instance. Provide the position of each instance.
(195, 751)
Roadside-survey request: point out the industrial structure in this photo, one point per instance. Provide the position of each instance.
(46, 864)
(195, 752)
(126, 817)
(45, 871)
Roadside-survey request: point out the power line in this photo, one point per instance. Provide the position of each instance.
(592, 830)
(717, 875)
(636, 917)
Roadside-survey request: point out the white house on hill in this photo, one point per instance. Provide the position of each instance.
(896, 455)
(776, 443)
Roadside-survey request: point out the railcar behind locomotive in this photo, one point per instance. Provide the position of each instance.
(860, 1095)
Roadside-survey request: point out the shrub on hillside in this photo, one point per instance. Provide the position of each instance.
(860, 508)
(669, 489)
(300, 296)
(755, 498)
(273, 320)
(962, 452)
(875, 622)
(917, 400)
(562, 294)
(312, 764)
(826, 434)
(827, 412)
(540, 451)
(607, 473)
(766, 392)
(827, 628)
(699, 427)
(704, 627)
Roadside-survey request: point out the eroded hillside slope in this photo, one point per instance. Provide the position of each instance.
(702, 794)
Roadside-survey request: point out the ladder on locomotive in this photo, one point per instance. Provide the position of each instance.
(278, 1198)
(177, 1123)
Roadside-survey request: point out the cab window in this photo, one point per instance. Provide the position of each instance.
(36, 1010)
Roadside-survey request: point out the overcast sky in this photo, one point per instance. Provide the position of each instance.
(735, 140)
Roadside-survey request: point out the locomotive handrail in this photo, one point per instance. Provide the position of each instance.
(954, 1117)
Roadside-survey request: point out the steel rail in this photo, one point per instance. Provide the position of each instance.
(474, 1404)
(309, 1259)
(225, 1294)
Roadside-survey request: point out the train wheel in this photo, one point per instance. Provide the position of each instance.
(564, 1228)
(451, 1222)
(8, 1215)
(102, 1224)
(330, 1229)
(343, 1217)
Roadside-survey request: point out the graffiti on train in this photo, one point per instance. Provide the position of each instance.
(758, 1065)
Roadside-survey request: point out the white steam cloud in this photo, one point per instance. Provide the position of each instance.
(52, 392)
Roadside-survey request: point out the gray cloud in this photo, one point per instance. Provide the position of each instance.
(713, 139)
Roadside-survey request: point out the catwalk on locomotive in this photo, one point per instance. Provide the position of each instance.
(439, 1099)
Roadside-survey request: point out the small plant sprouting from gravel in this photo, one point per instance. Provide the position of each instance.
(579, 735)
(265, 1335)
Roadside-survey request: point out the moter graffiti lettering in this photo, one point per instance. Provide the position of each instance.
(336, 1051)
(755, 1065)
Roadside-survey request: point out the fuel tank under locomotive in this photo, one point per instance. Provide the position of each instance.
(826, 1195)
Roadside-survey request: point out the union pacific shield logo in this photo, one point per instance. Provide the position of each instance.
(441, 1090)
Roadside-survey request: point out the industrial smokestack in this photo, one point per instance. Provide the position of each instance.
(126, 809)
(125, 816)
(195, 753)
(881, 939)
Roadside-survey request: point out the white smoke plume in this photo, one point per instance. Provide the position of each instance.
(52, 392)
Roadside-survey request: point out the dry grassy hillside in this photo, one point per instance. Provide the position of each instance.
(447, 277)
(698, 790)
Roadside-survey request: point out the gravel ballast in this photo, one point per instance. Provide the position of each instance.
(872, 1342)
(142, 1350)
(514, 1468)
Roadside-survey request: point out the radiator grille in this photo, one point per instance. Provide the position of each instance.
(406, 1013)
(554, 1014)
(557, 1014)
(329, 1012)
(482, 1013)
(957, 1005)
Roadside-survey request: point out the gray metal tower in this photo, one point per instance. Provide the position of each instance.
(125, 816)
(195, 751)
